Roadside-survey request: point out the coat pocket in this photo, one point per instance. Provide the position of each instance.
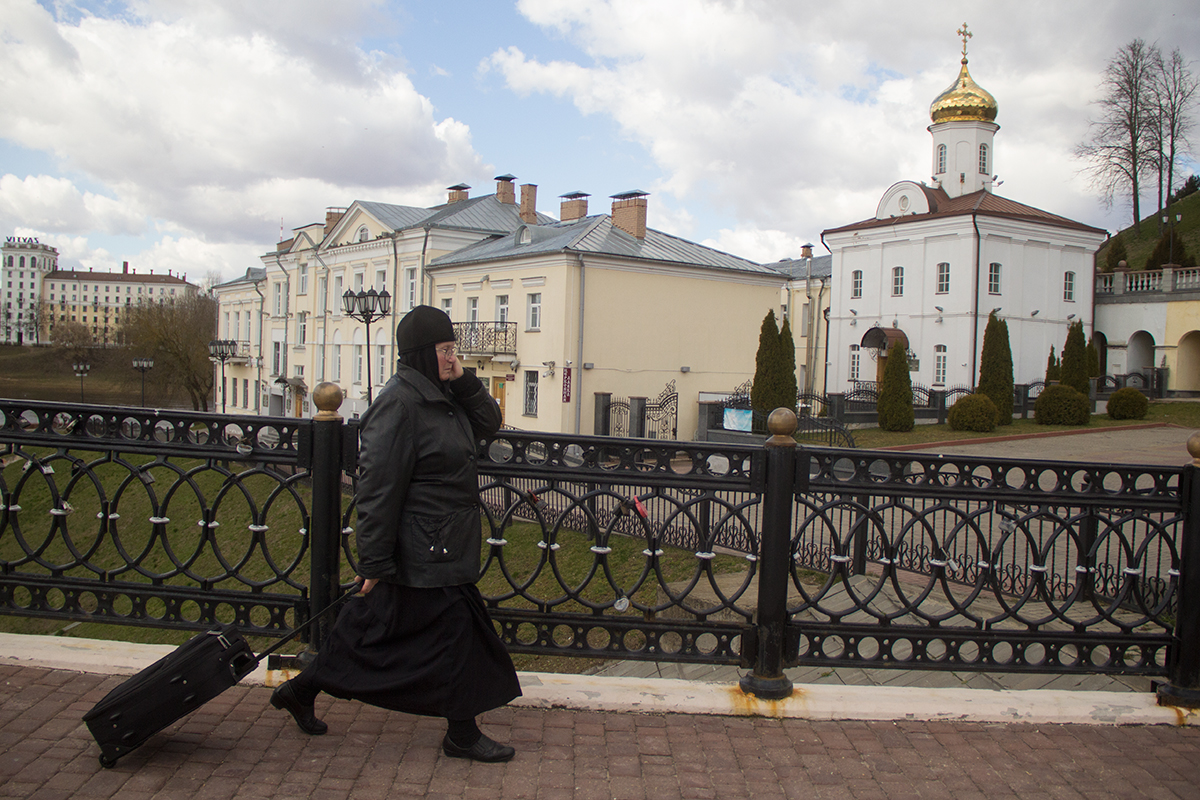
(437, 538)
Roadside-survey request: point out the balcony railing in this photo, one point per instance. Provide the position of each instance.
(486, 338)
(1148, 282)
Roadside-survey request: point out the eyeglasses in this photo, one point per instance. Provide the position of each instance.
(445, 352)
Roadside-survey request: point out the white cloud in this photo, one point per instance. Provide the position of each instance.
(48, 203)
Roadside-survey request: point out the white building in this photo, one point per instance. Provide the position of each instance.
(25, 262)
(935, 259)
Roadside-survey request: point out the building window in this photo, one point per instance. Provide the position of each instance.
(410, 288)
(276, 358)
(302, 282)
(323, 294)
(897, 281)
(363, 234)
(358, 363)
(993, 278)
(382, 373)
(245, 392)
(278, 299)
(302, 327)
(337, 294)
(448, 306)
(943, 278)
(1069, 287)
(533, 319)
(358, 282)
(854, 362)
(472, 309)
(939, 364)
(502, 308)
(380, 280)
(983, 160)
(531, 392)
(856, 283)
(941, 159)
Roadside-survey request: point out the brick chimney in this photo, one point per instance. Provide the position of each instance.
(124, 267)
(506, 190)
(806, 251)
(574, 206)
(332, 215)
(528, 211)
(629, 212)
(458, 193)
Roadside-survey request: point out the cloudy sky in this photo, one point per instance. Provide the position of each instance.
(181, 134)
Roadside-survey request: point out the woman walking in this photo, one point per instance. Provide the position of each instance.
(418, 638)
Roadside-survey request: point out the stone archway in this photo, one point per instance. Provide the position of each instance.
(1187, 364)
(1101, 342)
(1140, 352)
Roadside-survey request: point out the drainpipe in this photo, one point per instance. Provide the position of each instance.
(262, 312)
(578, 371)
(975, 309)
(395, 298)
(424, 248)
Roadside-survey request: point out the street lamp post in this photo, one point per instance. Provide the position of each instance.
(81, 371)
(367, 307)
(1170, 223)
(222, 350)
(142, 365)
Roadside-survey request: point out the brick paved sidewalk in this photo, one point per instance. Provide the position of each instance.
(238, 746)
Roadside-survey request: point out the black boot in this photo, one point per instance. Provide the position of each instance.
(300, 705)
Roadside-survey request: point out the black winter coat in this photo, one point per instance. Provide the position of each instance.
(418, 487)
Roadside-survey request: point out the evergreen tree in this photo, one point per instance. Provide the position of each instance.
(1091, 359)
(770, 390)
(996, 368)
(1115, 254)
(895, 404)
(1052, 366)
(1167, 253)
(787, 354)
(1074, 367)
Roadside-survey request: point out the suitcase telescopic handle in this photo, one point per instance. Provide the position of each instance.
(294, 632)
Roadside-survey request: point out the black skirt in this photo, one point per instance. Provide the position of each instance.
(421, 651)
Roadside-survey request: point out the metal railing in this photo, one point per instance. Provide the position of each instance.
(764, 556)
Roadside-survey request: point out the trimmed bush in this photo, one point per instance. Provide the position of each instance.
(895, 406)
(974, 412)
(1127, 403)
(1061, 405)
(1073, 369)
(996, 369)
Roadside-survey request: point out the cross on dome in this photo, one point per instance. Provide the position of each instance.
(965, 34)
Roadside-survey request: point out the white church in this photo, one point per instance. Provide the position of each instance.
(935, 259)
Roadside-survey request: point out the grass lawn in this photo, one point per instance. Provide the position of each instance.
(46, 373)
(1182, 413)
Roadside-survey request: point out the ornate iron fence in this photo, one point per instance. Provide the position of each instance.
(627, 548)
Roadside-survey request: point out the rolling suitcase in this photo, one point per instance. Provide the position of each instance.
(177, 684)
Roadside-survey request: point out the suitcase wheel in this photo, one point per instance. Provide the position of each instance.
(107, 762)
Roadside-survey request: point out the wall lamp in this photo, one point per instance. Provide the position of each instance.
(549, 365)
(939, 310)
(1035, 312)
(853, 322)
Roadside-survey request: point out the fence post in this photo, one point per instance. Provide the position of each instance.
(1183, 661)
(325, 533)
(767, 680)
(637, 417)
(603, 421)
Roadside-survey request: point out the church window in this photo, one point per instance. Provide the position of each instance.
(1069, 287)
(854, 362)
(939, 364)
(993, 278)
(943, 278)
(983, 160)
(856, 283)
(897, 281)
(941, 159)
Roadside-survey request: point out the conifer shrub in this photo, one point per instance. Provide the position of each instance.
(996, 369)
(1073, 369)
(895, 405)
(774, 386)
(1127, 403)
(1053, 367)
(1170, 249)
(1115, 254)
(1061, 405)
(974, 412)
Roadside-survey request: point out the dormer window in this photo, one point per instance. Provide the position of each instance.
(524, 235)
(363, 234)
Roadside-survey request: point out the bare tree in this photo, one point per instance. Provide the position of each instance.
(176, 334)
(1174, 88)
(72, 340)
(1117, 148)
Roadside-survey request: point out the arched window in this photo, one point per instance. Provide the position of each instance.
(363, 234)
(941, 159)
(939, 364)
(22, 262)
(983, 160)
(897, 281)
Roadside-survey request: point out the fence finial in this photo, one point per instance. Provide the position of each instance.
(1193, 446)
(782, 424)
(328, 397)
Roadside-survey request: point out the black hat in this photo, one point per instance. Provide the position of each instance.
(421, 327)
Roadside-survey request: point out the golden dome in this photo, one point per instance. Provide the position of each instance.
(965, 100)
